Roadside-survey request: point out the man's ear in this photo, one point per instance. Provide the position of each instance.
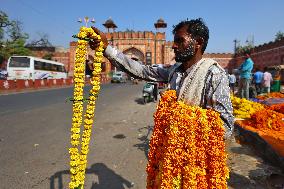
(199, 43)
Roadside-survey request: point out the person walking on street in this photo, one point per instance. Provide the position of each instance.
(267, 80)
(232, 82)
(257, 79)
(245, 75)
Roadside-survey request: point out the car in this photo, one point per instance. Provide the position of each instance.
(118, 77)
(3, 74)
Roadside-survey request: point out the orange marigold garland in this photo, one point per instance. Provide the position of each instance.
(277, 107)
(266, 119)
(271, 95)
(187, 148)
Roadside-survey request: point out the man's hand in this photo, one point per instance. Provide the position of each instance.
(96, 42)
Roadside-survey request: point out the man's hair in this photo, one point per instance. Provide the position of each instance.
(197, 28)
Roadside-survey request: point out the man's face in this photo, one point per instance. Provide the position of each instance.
(184, 45)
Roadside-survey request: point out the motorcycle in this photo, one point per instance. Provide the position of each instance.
(149, 92)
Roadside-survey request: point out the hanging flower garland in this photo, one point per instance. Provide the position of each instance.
(187, 148)
(80, 148)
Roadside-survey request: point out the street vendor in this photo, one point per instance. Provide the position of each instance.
(197, 81)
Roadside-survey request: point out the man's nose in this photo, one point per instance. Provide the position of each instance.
(174, 46)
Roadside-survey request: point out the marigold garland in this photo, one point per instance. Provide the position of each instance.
(270, 95)
(265, 119)
(187, 148)
(244, 108)
(278, 108)
(79, 150)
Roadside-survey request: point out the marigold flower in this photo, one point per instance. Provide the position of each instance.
(187, 149)
(78, 162)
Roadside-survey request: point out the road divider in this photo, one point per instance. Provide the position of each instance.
(22, 84)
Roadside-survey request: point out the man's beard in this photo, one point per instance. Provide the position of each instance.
(185, 55)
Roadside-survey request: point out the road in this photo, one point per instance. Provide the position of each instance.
(35, 137)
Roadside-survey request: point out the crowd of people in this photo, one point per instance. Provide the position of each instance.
(251, 84)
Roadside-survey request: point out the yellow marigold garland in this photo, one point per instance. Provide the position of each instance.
(244, 108)
(79, 150)
(187, 148)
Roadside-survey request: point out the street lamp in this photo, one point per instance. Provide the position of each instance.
(86, 20)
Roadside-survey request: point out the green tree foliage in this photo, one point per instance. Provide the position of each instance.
(12, 38)
(242, 49)
(279, 35)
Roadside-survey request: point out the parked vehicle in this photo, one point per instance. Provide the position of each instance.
(3, 74)
(148, 92)
(28, 67)
(119, 77)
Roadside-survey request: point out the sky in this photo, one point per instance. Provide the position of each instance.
(227, 19)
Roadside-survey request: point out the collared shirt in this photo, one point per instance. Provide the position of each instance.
(232, 78)
(246, 68)
(257, 76)
(216, 91)
(267, 79)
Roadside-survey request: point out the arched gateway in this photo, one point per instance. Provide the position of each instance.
(135, 54)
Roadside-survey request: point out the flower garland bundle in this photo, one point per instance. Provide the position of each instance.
(278, 108)
(270, 95)
(187, 148)
(244, 108)
(266, 119)
(80, 148)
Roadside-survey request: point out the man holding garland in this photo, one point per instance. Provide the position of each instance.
(197, 81)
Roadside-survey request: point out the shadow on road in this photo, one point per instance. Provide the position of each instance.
(238, 181)
(107, 178)
(145, 139)
(139, 101)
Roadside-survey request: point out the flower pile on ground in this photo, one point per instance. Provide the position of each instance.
(243, 108)
(187, 148)
(271, 95)
(277, 107)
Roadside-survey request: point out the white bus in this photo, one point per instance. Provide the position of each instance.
(28, 67)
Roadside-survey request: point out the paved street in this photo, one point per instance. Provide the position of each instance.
(34, 141)
(34, 137)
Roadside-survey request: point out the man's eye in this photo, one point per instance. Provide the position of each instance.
(178, 40)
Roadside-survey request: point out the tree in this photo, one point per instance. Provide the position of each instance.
(12, 38)
(4, 22)
(242, 49)
(279, 35)
(43, 41)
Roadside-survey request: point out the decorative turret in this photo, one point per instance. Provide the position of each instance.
(160, 24)
(109, 24)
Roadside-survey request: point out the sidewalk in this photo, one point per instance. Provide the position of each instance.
(248, 171)
(17, 91)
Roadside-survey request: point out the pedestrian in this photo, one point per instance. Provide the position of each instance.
(245, 75)
(257, 80)
(267, 80)
(198, 81)
(232, 82)
(277, 80)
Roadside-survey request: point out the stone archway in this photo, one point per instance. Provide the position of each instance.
(135, 54)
